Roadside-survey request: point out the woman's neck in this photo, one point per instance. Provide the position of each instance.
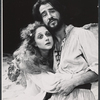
(44, 53)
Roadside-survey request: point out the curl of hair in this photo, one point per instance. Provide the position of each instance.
(27, 53)
(21, 49)
(13, 72)
(13, 69)
(29, 31)
(34, 64)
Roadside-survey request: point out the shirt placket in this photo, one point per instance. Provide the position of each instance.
(59, 53)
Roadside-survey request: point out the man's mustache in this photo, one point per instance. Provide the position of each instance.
(52, 19)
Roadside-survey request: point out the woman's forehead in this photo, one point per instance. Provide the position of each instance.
(41, 29)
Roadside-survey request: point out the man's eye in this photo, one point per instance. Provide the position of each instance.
(40, 36)
(44, 14)
(52, 11)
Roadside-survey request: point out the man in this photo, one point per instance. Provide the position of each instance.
(75, 51)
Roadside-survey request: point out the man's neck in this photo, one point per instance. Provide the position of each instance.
(60, 34)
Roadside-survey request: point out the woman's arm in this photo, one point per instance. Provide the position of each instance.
(49, 81)
(32, 88)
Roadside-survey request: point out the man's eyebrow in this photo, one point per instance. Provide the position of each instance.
(51, 9)
(42, 12)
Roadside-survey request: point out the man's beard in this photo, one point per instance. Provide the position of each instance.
(55, 28)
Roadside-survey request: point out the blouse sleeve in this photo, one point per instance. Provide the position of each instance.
(49, 81)
(89, 47)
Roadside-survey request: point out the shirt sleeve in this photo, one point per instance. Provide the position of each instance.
(89, 47)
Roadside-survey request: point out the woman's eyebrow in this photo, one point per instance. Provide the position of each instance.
(39, 33)
(46, 31)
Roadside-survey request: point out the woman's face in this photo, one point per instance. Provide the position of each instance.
(43, 38)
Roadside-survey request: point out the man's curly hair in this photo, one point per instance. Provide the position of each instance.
(55, 3)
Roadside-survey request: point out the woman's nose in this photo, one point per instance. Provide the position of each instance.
(46, 38)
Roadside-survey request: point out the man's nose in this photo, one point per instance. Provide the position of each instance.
(49, 15)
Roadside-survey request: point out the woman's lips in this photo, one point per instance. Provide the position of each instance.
(48, 43)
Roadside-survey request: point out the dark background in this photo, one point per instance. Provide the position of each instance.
(17, 14)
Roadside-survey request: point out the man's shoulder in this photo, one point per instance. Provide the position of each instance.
(78, 29)
(86, 29)
(71, 28)
(74, 30)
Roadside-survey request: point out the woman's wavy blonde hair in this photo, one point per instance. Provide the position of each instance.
(29, 54)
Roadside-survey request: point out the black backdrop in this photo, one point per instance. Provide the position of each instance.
(17, 14)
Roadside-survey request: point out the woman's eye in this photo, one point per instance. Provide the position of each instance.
(40, 36)
(48, 34)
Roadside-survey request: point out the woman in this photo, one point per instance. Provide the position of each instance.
(34, 58)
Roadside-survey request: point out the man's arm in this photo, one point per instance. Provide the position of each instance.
(84, 78)
(90, 51)
(68, 86)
